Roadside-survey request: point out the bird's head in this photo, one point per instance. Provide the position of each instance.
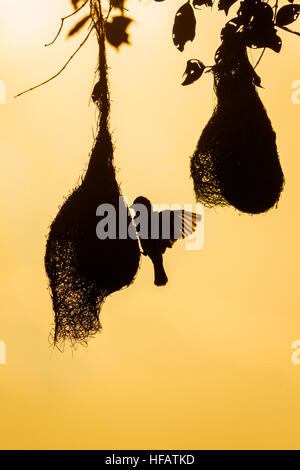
(144, 201)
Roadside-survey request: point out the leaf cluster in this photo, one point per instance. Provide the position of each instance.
(115, 30)
(255, 26)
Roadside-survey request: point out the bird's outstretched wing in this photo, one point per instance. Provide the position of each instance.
(183, 224)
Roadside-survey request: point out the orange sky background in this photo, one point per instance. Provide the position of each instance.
(203, 363)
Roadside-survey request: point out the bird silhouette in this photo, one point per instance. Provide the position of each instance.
(158, 231)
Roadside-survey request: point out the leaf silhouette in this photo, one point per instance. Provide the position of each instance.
(225, 5)
(184, 26)
(287, 14)
(260, 31)
(200, 3)
(115, 30)
(263, 14)
(194, 70)
(256, 14)
(264, 38)
(78, 26)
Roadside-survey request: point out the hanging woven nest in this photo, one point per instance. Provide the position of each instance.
(236, 161)
(82, 269)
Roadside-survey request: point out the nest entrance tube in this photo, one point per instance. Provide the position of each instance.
(236, 161)
(82, 269)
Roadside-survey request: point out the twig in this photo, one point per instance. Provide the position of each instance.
(61, 70)
(275, 9)
(288, 30)
(109, 11)
(260, 57)
(63, 20)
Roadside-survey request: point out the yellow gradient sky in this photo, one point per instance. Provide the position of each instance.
(204, 363)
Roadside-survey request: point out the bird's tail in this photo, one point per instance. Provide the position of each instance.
(160, 277)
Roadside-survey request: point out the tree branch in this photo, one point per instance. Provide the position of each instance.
(260, 57)
(63, 20)
(61, 70)
(275, 9)
(287, 29)
(109, 11)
